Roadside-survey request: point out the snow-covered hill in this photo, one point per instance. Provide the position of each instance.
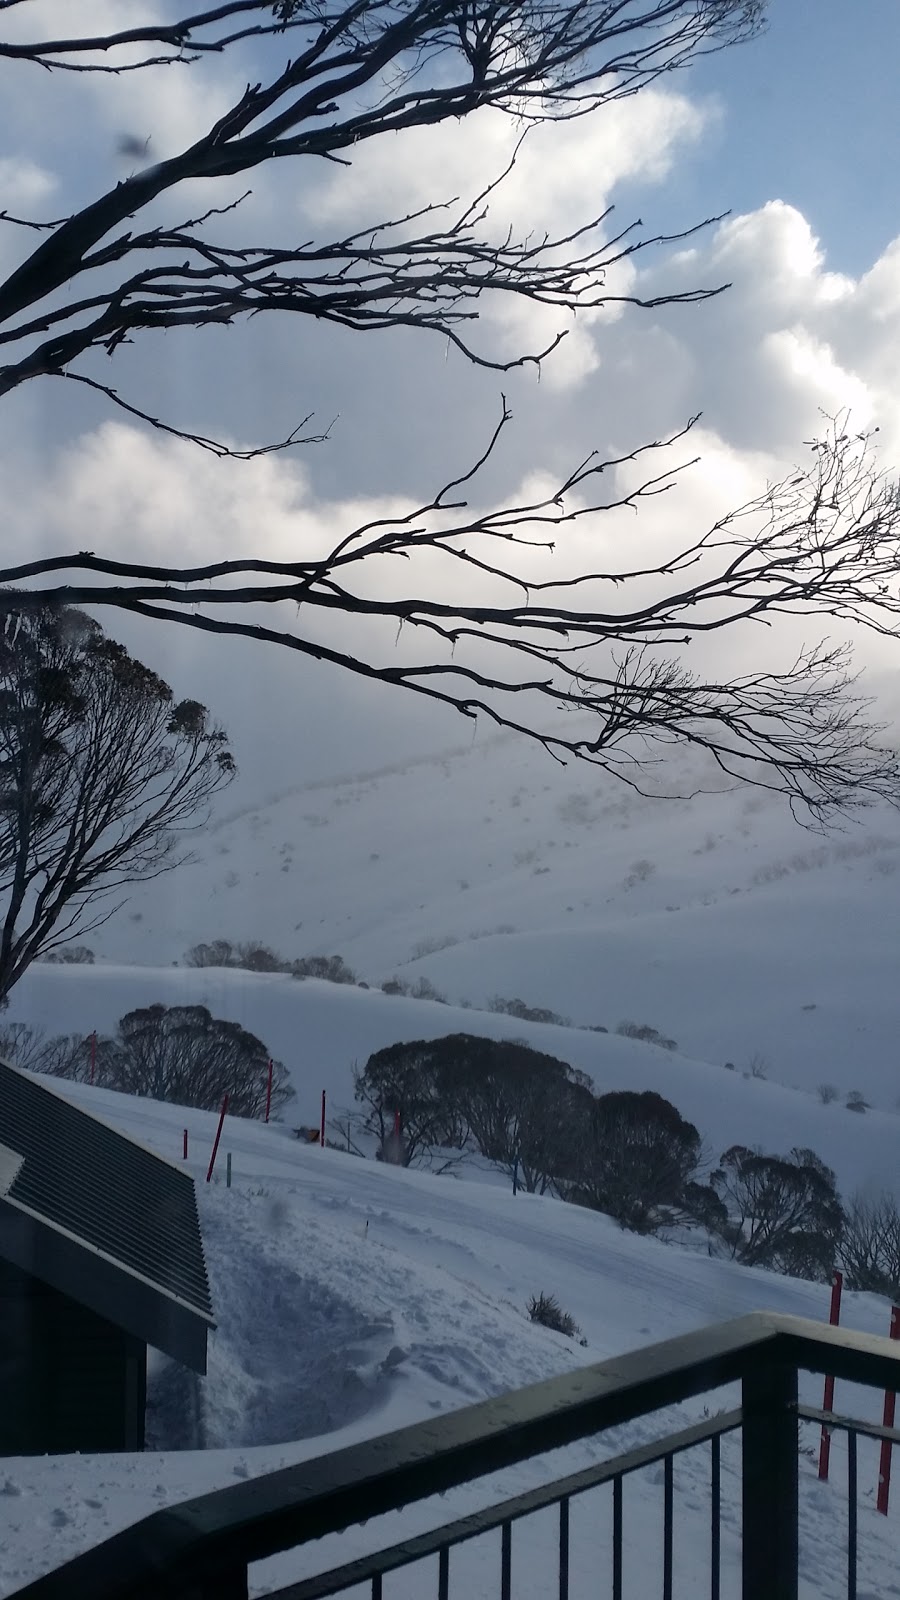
(322, 1030)
(716, 919)
(353, 1298)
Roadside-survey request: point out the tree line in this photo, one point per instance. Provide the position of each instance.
(180, 1054)
(630, 1154)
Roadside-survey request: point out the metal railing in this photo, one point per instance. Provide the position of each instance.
(201, 1549)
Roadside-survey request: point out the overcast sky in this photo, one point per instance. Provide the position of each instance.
(796, 134)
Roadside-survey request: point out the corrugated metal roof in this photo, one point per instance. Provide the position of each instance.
(86, 1180)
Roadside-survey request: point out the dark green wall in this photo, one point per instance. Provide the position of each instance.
(69, 1380)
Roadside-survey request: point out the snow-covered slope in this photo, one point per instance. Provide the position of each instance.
(716, 919)
(353, 1298)
(321, 1030)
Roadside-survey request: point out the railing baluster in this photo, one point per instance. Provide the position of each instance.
(668, 1508)
(229, 1583)
(444, 1572)
(506, 1561)
(715, 1554)
(617, 1539)
(376, 1586)
(771, 1441)
(851, 1516)
(564, 1549)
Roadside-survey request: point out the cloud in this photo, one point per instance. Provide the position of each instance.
(789, 339)
(23, 183)
(562, 177)
(564, 172)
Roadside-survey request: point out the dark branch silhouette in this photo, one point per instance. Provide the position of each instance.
(590, 663)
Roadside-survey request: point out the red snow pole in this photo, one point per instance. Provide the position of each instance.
(212, 1159)
(93, 1053)
(884, 1467)
(269, 1091)
(322, 1125)
(834, 1317)
(397, 1125)
(185, 1144)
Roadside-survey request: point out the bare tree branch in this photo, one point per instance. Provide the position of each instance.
(549, 58)
(825, 542)
(587, 662)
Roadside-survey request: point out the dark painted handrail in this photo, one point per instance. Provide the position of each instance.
(202, 1547)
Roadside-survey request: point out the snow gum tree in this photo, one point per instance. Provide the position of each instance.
(102, 775)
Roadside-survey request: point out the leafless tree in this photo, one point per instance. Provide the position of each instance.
(783, 1211)
(101, 776)
(870, 1247)
(185, 1055)
(23, 1045)
(63, 1055)
(507, 646)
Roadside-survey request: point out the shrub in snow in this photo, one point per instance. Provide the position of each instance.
(640, 872)
(648, 1035)
(255, 957)
(431, 946)
(71, 955)
(333, 969)
(827, 1093)
(518, 1008)
(424, 989)
(220, 953)
(546, 1309)
(856, 1102)
(251, 955)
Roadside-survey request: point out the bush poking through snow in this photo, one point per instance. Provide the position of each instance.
(333, 969)
(546, 1309)
(255, 957)
(518, 1008)
(646, 1034)
(424, 989)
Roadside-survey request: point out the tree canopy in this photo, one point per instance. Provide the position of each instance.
(102, 776)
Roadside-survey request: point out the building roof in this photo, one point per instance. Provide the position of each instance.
(101, 1218)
